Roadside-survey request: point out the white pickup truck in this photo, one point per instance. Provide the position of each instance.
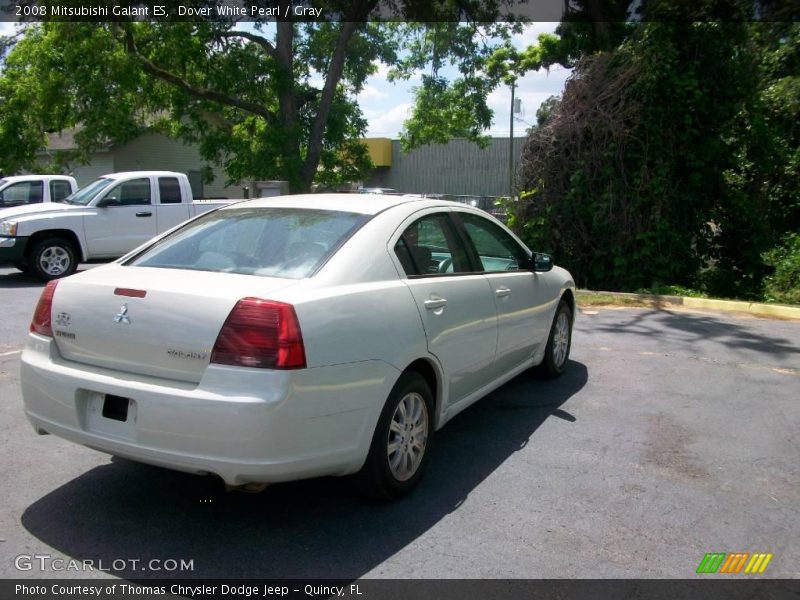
(35, 189)
(104, 220)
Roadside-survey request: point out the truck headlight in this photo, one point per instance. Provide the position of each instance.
(8, 228)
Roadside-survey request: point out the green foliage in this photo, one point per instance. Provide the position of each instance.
(671, 159)
(248, 106)
(783, 285)
(547, 109)
(445, 108)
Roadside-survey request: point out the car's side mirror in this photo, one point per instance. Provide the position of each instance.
(542, 262)
(108, 201)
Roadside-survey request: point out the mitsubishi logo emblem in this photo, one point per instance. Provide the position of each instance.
(122, 316)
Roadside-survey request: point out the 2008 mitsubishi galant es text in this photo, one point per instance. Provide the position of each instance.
(294, 337)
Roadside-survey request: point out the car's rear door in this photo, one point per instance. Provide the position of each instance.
(170, 208)
(524, 305)
(456, 305)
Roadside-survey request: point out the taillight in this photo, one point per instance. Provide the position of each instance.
(262, 334)
(41, 322)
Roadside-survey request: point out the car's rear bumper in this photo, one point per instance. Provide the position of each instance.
(245, 425)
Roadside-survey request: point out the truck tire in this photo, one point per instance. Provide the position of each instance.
(53, 258)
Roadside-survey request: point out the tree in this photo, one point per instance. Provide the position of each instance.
(248, 101)
(625, 177)
(248, 98)
(547, 109)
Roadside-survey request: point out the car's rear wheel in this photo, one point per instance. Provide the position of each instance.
(52, 258)
(559, 342)
(402, 440)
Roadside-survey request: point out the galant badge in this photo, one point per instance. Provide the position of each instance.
(122, 316)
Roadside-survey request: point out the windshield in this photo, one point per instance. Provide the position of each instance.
(84, 195)
(273, 242)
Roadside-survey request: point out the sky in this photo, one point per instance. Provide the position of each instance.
(386, 105)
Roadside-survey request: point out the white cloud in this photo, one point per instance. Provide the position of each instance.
(370, 93)
(7, 28)
(386, 105)
(387, 123)
(383, 70)
(530, 34)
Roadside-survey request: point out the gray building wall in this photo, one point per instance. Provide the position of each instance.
(149, 152)
(101, 164)
(459, 167)
(156, 152)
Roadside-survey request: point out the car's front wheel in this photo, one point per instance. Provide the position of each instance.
(402, 440)
(52, 258)
(559, 342)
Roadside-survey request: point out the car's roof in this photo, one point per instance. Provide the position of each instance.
(367, 204)
(122, 174)
(12, 178)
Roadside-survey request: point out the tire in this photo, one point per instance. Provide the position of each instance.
(559, 342)
(53, 258)
(393, 468)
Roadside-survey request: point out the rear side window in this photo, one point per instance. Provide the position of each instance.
(169, 190)
(273, 242)
(59, 189)
(429, 246)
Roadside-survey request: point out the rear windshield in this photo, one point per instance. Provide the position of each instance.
(273, 242)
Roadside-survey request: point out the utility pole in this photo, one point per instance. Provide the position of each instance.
(511, 144)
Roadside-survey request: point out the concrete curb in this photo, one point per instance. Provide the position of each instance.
(780, 311)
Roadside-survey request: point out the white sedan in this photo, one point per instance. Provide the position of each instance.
(295, 337)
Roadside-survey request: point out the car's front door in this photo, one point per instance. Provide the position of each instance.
(127, 220)
(523, 303)
(457, 307)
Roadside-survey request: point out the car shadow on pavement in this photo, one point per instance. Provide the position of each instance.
(18, 279)
(689, 329)
(318, 528)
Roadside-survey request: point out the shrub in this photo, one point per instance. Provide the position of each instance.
(783, 285)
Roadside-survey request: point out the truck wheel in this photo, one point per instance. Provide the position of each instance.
(52, 258)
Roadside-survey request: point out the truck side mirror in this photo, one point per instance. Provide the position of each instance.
(108, 201)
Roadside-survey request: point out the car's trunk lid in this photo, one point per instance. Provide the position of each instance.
(150, 321)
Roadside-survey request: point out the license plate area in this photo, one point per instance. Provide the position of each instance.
(115, 407)
(109, 414)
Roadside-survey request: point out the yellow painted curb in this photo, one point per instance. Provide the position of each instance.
(779, 311)
(708, 303)
(775, 310)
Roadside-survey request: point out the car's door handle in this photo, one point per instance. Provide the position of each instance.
(502, 291)
(144, 214)
(435, 303)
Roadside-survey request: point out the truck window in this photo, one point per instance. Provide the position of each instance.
(169, 190)
(24, 192)
(59, 189)
(131, 193)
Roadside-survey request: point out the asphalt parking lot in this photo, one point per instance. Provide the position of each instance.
(673, 434)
